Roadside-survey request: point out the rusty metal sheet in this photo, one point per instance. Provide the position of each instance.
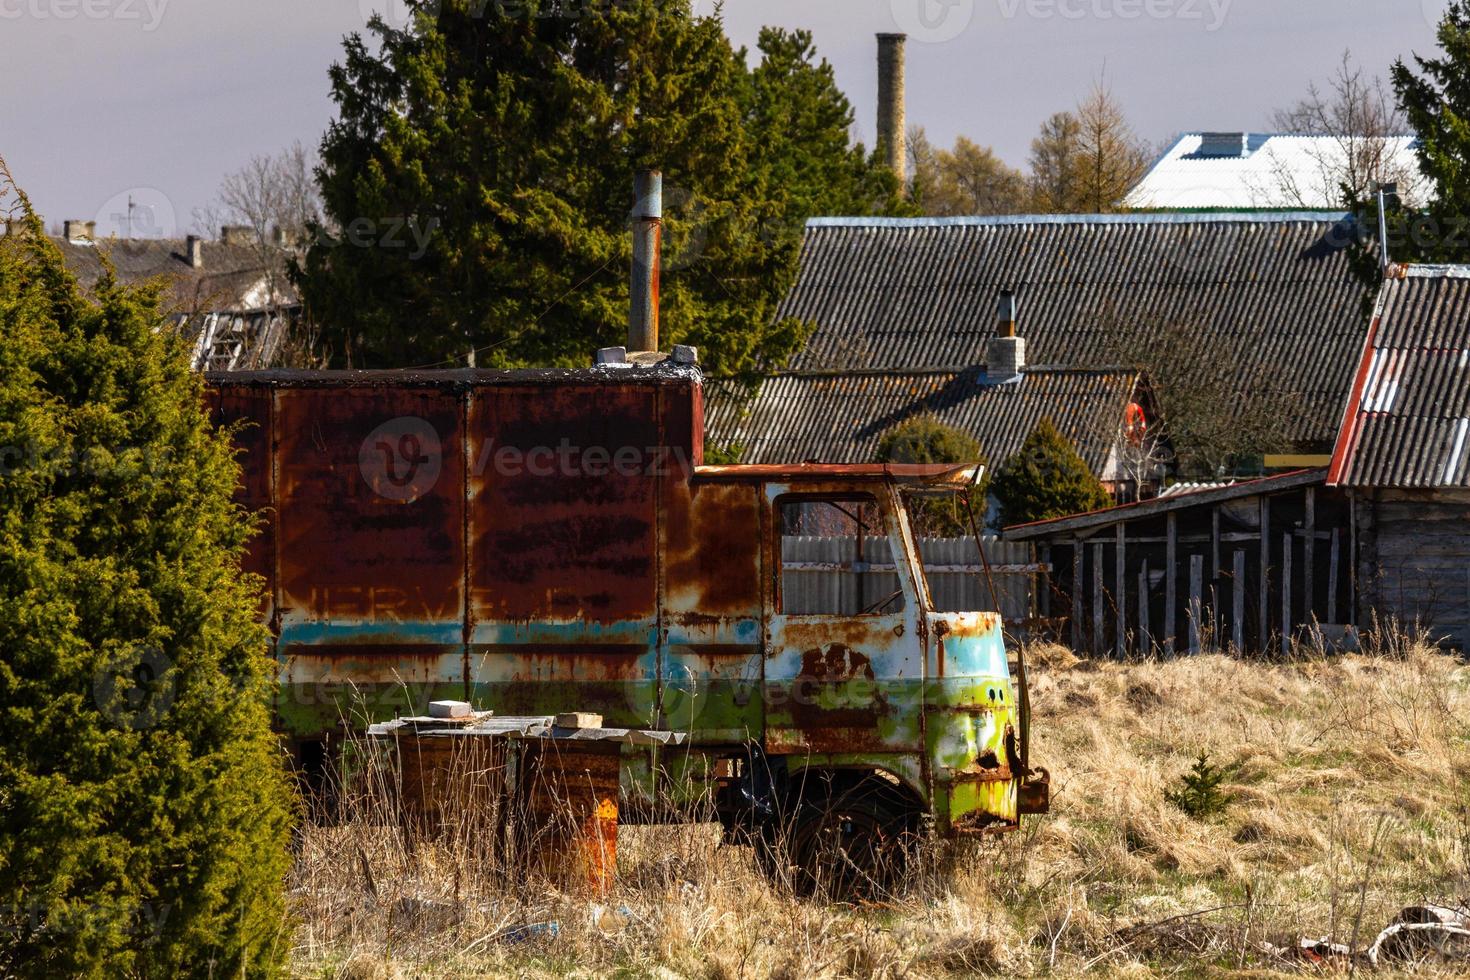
(712, 664)
(563, 571)
(681, 411)
(712, 547)
(562, 488)
(918, 473)
(369, 489)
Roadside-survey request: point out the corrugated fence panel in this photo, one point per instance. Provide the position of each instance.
(956, 575)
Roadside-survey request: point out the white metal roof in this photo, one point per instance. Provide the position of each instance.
(1269, 171)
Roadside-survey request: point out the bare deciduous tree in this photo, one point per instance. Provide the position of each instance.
(968, 180)
(275, 196)
(1087, 160)
(1216, 412)
(277, 199)
(1359, 118)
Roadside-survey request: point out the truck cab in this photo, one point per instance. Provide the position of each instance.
(868, 690)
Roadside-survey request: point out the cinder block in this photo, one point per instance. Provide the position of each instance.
(450, 709)
(578, 719)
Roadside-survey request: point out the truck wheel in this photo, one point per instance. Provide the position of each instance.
(846, 844)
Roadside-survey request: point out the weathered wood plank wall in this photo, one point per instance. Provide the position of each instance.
(1242, 573)
(1414, 560)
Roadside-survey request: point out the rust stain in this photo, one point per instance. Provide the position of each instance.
(835, 663)
(713, 548)
(833, 713)
(346, 543)
(841, 631)
(563, 515)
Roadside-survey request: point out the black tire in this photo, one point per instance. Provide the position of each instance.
(845, 843)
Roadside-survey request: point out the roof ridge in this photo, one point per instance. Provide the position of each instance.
(928, 369)
(1431, 270)
(1136, 218)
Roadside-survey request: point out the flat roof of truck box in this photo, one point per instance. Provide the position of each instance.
(663, 374)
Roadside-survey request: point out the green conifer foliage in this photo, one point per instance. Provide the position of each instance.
(144, 808)
(1046, 479)
(1435, 100)
(479, 181)
(925, 439)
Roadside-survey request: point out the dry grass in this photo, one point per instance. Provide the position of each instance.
(1348, 779)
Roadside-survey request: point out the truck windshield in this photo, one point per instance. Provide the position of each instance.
(835, 558)
(948, 550)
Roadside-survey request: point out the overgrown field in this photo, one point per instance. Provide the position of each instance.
(1348, 788)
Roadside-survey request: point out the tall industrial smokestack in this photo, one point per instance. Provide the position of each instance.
(892, 138)
(648, 215)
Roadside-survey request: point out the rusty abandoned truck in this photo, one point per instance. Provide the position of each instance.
(543, 541)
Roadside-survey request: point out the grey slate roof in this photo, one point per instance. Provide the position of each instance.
(1407, 421)
(228, 274)
(216, 307)
(840, 418)
(911, 297)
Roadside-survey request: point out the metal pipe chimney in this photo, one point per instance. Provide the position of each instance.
(648, 227)
(892, 136)
(1006, 314)
(1385, 191)
(1005, 354)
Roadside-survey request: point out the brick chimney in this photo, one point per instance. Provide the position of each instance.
(194, 252)
(79, 231)
(237, 236)
(892, 137)
(1005, 355)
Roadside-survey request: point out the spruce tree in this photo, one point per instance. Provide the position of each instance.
(1436, 102)
(479, 177)
(1045, 479)
(144, 808)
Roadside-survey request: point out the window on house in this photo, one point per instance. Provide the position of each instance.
(836, 559)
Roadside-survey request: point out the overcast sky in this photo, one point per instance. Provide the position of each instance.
(161, 98)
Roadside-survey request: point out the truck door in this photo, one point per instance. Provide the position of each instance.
(844, 653)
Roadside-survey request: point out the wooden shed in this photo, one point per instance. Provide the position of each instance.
(1403, 454)
(1250, 566)
(1380, 538)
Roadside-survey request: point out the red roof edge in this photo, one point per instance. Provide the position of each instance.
(1347, 432)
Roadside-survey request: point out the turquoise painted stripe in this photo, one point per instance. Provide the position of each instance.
(638, 632)
(372, 634)
(740, 632)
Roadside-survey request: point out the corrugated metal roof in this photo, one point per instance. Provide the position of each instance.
(1110, 516)
(915, 297)
(1407, 422)
(840, 417)
(1178, 489)
(1276, 170)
